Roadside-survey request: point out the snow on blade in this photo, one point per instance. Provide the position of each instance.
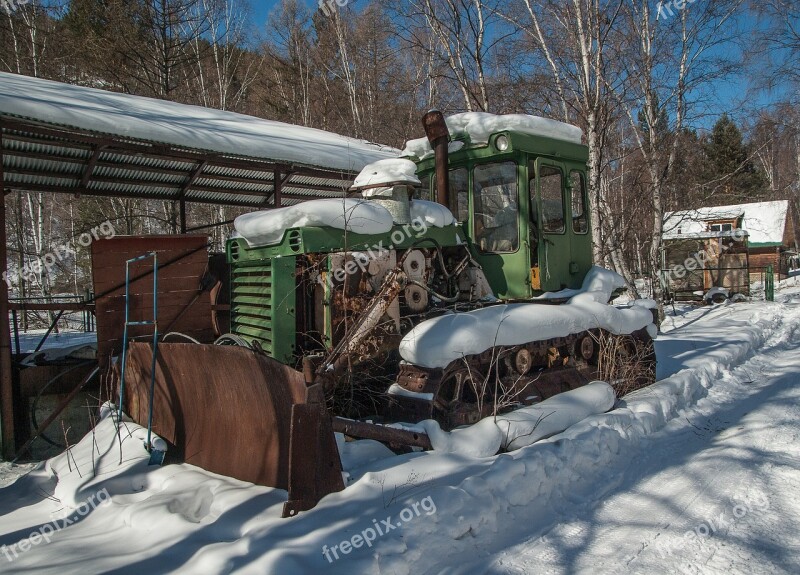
(431, 213)
(479, 126)
(523, 426)
(176, 124)
(385, 172)
(354, 215)
(439, 341)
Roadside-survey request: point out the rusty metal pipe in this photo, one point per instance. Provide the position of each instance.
(439, 136)
(362, 430)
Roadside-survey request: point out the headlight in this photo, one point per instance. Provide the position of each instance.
(501, 143)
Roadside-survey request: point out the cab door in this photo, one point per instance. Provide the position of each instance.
(497, 230)
(553, 250)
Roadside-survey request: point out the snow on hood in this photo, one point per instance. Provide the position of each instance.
(354, 215)
(432, 213)
(479, 127)
(441, 340)
(384, 172)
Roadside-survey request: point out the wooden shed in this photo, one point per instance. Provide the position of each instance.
(772, 230)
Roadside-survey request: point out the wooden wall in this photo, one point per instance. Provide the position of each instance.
(182, 307)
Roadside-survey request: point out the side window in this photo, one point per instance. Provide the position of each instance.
(459, 193)
(551, 182)
(580, 222)
(424, 191)
(496, 207)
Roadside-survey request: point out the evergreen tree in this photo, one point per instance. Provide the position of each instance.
(730, 173)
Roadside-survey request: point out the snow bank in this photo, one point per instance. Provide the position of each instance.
(530, 424)
(524, 426)
(182, 125)
(479, 127)
(354, 215)
(180, 519)
(386, 172)
(432, 213)
(439, 341)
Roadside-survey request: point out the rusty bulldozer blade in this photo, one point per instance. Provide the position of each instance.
(315, 468)
(238, 413)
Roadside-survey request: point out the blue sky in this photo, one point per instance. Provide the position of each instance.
(733, 96)
(263, 7)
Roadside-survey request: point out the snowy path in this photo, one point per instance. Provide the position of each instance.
(713, 492)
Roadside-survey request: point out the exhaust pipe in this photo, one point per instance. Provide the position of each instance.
(439, 137)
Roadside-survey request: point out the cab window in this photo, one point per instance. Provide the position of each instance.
(459, 193)
(580, 221)
(551, 182)
(496, 206)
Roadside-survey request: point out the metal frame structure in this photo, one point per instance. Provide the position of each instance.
(37, 156)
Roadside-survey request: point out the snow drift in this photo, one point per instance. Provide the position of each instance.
(525, 426)
(181, 519)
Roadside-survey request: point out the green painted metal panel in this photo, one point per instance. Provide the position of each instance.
(263, 304)
(308, 240)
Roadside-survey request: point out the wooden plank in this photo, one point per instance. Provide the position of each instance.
(178, 285)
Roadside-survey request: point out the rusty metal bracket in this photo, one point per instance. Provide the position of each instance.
(315, 468)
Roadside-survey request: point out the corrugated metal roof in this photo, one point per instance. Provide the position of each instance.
(40, 154)
(52, 159)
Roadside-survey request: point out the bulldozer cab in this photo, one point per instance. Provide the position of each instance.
(522, 202)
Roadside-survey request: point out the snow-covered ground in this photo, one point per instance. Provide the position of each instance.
(66, 338)
(697, 474)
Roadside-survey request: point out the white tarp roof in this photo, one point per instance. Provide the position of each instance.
(182, 125)
(765, 222)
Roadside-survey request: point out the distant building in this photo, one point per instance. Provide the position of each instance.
(734, 241)
(772, 227)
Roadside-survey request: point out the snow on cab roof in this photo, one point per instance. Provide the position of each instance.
(764, 221)
(479, 126)
(182, 125)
